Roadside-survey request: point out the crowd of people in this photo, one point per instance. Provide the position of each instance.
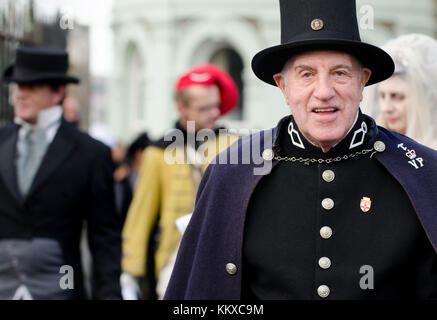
(343, 190)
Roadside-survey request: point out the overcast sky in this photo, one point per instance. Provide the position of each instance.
(97, 15)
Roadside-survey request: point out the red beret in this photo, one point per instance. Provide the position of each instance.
(209, 75)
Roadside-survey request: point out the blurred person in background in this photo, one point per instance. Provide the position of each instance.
(166, 189)
(53, 178)
(126, 174)
(126, 163)
(71, 108)
(104, 134)
(407, 101)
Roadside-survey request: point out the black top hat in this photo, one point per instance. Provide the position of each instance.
(308, 25)
(35, 65)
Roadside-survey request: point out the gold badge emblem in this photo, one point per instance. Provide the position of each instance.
(316, 24)
(365, 204)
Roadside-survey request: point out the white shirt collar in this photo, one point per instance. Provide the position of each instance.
(49, 120)
(46, 118)
(355, 121)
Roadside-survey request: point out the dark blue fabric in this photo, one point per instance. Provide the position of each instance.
(214, 236)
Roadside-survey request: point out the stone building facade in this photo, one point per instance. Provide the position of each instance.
(156, 40)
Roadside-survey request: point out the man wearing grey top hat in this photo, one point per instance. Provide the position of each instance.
(348, 209)
(52, 178)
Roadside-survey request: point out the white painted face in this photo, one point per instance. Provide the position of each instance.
(393, 101)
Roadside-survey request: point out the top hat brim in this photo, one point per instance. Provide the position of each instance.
(9, 76)
(271, 61)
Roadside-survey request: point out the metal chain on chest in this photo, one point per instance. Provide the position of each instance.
(329, 160)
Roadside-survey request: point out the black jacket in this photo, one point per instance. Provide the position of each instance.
(73, 184)
(210, 261)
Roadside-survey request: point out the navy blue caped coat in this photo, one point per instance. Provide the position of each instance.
(214, 236)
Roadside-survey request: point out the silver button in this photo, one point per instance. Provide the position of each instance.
(268, 154)
(231, 268)
(327, 203)
(326, 232)
(379, 146)
(323, 291)
(324, 263)
(328, 175)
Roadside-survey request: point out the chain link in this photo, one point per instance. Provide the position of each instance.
(329, 160)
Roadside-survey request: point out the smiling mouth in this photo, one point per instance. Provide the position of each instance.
(322, 110)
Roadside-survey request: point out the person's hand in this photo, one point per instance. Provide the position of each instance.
(121, 172)
(130, 288)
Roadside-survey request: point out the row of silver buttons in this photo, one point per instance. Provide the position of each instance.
(328, 204)
(326, 232)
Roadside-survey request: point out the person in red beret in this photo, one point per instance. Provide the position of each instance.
(170, 173)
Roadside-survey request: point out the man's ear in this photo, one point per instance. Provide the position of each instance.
(60, 94)
(365, 76)
(280, 82)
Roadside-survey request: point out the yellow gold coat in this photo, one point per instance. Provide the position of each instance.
(165, 190)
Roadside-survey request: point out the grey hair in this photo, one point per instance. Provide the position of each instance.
(286, 69)
(415, 57)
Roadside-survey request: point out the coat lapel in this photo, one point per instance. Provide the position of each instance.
(8, 150)
(56, 154)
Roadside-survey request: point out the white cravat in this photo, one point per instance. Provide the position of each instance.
(49, 121)
(32, 144)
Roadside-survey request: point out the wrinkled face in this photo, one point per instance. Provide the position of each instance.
(393, 103)
(202, 106)
(323, 90)
(30, 99)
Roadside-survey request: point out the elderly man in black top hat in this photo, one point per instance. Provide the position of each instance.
(348, 209)
(52, 178)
